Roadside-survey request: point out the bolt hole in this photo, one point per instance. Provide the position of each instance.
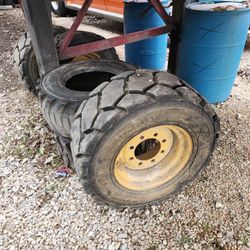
(131, 158)
(164, 140)
(153, 160)
(132, 147)
(142, 137)
(155, 134)
(140, 163)
(162, 151)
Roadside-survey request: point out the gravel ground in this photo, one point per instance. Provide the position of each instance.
(39, 211)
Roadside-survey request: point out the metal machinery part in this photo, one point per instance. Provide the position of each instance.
(39, 22)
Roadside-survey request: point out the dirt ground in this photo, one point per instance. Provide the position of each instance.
(39, 211)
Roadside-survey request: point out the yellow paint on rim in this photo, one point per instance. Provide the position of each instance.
(153, 157)
(86, 57)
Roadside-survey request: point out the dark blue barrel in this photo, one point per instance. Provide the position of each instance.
(211, 46)
(149, 53)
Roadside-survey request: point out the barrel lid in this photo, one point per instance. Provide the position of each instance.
(222, 6)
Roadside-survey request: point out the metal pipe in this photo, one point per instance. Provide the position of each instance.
(112, 42)
(162, 12)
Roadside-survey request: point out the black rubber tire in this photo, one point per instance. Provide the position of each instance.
(24, 60)
(82, 37)
(62, 10)
(122, 108)
(59, 103)
(63, 147)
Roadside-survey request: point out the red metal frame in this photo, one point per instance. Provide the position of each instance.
(66, 52)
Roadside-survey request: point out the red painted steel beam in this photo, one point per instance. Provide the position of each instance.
(66, 41)
(111, 42)
(162, 13)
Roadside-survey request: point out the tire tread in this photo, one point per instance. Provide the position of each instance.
(132, 96)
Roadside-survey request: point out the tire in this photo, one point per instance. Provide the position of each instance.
(62, 90)
(82, 37)
(119, 112)
(24, 60)
(59, 9)
(63, 147)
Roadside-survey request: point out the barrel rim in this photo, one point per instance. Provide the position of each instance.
(211, 12)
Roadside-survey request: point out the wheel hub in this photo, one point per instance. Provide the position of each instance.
(153, 157)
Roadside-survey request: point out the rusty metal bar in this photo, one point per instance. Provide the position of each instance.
(162, 12)
(66, 41)
(112, 42)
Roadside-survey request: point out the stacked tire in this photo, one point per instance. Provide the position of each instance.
(134, 137)
(64, 89)
(59, 109)
(24, 58)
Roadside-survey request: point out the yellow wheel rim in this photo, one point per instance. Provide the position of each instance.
(153, 157)
(86, 57)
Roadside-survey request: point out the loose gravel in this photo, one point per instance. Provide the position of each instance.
(40, 211)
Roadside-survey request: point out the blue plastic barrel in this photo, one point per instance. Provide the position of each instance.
(150, 53)
(211, 46)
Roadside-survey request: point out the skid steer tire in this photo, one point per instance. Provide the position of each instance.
(116, 132)
(65, 88)
(24, 60)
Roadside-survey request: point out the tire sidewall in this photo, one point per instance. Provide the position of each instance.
(54, 83)
(193, 119)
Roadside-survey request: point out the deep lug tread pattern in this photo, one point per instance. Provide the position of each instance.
(98, 89)
(163, 87)
(111, 94)
(21, 55)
